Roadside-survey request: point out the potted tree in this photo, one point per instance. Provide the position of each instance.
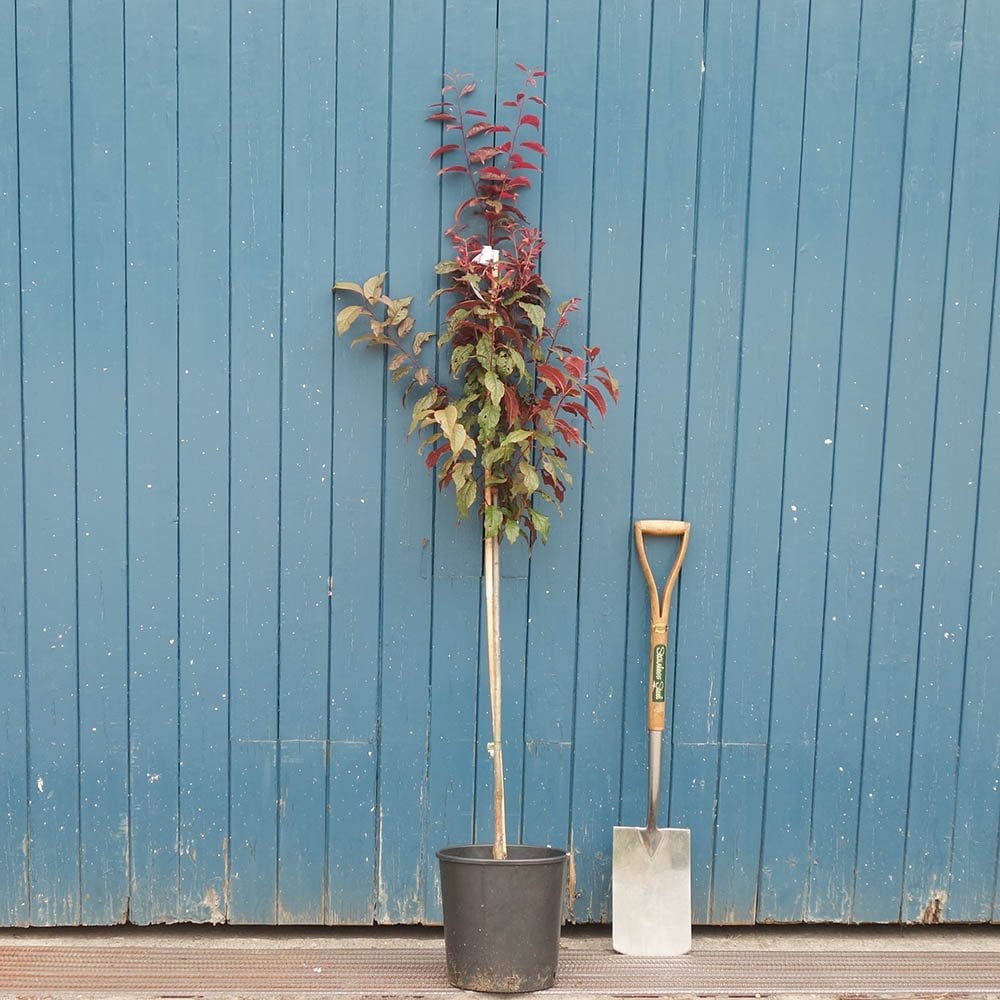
(496, 428)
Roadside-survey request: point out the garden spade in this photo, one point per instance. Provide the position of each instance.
(651, 866)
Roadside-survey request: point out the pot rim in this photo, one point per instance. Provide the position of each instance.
(546, 854)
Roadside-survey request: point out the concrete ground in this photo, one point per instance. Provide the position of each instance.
(939, 962)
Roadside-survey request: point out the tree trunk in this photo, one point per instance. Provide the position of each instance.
(491, 571)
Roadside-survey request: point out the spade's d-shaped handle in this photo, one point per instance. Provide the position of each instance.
(659, 611)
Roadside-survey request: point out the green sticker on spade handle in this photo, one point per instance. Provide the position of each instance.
(659, 672)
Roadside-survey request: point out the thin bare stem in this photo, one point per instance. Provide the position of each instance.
(491, 570)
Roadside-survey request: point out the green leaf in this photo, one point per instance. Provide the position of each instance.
(536, 314)
(448, 418)
(530, 477)
(518, 360)
(459, 356)
(484, 351)
(465, 497)
(540, 522)
(494, 387)
(420, 339)
(513, 531)
(373, 287)
(461, 473)
(447, 267)
(489, 417)
(494, 455)
(516, 436)
(421, 409)
(398, 311)
(347, 317)
(459, 438)
(492, 521)
(428, 441)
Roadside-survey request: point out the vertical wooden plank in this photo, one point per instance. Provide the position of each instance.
(203, 461)
(564, 211)
(903, 511)
(972, 892)
(254, 419)
(458, 735)
(772, 218)
(14, 907)
(956, 464)
(102, 576)
(672, 123)
(810, 445)
(605, 545)
(719, 248)
(976, 815)
(358, 414)
(151, 226)
(407, 859)
(310, 102)
(816, 324)
(873, 213)
(48, 346)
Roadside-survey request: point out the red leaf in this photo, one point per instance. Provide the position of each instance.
(493, 174)
(532, 120)
(485, 153)
(441, 150)
(518, 162)
(558, 487)
(538, 73)
(432, 458)
(605, 380)
(535, 147)
(594, 395)
(478, 129)
(465, 204)
(511, 405)
(574, 365)
(552, 377)
(456, 168)
(592, 352)
(577, 410)
(521, 67)
(475, 112)
(467, 89)
(537, 100)
(441, 116)
(569, 433)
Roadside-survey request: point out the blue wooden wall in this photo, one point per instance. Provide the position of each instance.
(239, 651)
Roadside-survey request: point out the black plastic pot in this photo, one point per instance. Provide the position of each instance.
(502, 918)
